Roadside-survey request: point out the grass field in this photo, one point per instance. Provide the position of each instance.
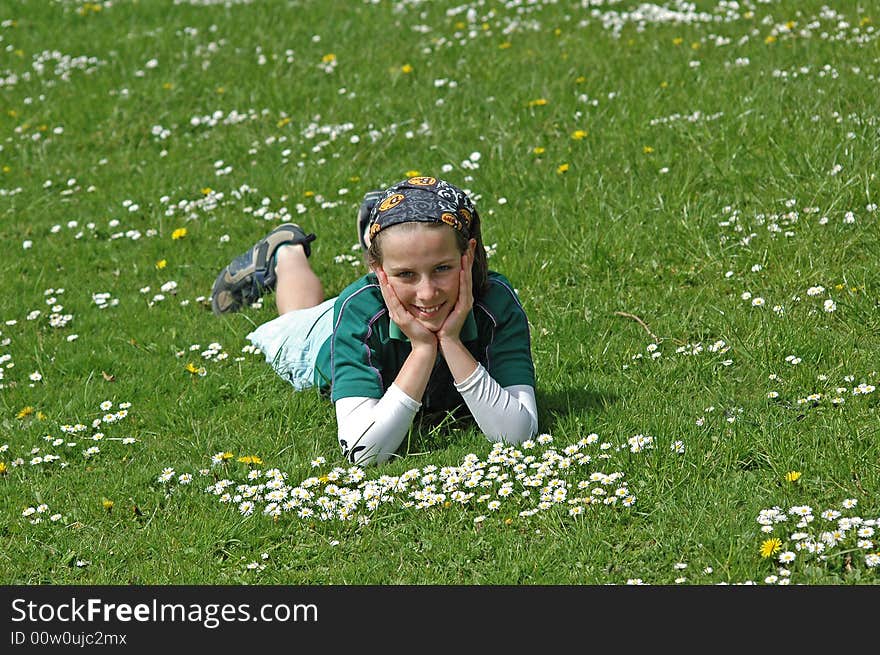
(684, 195)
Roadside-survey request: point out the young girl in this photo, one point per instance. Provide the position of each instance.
(430, 328)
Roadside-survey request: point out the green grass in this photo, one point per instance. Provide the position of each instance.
(710, 158)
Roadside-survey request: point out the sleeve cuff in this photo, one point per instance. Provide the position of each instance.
(472, 380)
(395, 393)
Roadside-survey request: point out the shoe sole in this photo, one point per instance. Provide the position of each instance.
(227, 287)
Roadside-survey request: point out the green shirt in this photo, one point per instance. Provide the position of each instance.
(367, 349)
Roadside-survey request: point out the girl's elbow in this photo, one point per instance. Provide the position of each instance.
(515, 437)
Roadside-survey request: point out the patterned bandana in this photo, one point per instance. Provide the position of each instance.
(423, 200)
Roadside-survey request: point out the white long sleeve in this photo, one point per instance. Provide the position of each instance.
(371, 430)
(506, 414)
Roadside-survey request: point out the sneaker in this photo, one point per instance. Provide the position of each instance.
(363, 218)
(251, 274)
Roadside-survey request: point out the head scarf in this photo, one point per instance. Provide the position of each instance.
(423, 200)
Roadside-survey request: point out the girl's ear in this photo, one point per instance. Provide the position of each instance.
(472, 247)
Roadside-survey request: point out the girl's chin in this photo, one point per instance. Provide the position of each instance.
(433, 325)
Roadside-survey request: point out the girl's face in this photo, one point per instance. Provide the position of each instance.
(423, 265)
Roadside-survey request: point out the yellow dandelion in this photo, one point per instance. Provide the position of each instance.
(90, 7)
(580, 79)
(538, 102)
(866, 20)
(505, 45)
(24, 412)
(308, 194)
(324, 478)
(412, 174)
(770, 39)
(221, 89)
(508, 521)
(406, 69)
(538, 150)
(447, 504)
(41, 416)
(162, 263)
(577, 135)
(107, 504)
(179, 233)
(2, 468)
(664, 84)
(167, 86)
(226, 456)
(250, 459)
(7, 169)
(770, 547)
(793, 476)
(207, 191)
(677, 40)
(284, 121)
(695, 45)
(191, 368)
(329, 57)
(647, 150)
(562, 168)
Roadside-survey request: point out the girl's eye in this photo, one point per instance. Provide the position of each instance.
(405, 274)
(443, 268)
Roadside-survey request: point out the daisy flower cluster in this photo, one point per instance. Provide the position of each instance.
(835, 538)
(510, 482)
(78, 439)
(38, 513)
(213, 352)
(54, 453)
(654, 351)
(825, 392)
(829, 305)
(111, 232)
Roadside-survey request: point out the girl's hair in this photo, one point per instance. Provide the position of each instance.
(480, 268)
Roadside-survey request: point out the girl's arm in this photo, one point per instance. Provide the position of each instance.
(370, 430)
(503, 414)
(507, 414)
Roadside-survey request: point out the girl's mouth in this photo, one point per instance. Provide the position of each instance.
(428, 311)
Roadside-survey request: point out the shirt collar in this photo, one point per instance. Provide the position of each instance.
(468, 330)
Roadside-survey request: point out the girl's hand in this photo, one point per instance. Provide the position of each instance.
(417, 333)
(451, 328)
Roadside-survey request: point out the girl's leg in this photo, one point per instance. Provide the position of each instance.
(296, 286)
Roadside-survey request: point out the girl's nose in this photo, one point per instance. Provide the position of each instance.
(426, 290)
